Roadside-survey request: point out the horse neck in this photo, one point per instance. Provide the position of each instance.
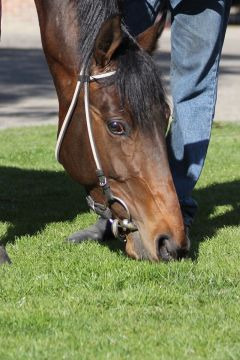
(59, 34)
(60, 39)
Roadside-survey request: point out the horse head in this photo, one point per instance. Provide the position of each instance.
(129, 116)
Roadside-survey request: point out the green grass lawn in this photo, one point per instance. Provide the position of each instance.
(91, 302)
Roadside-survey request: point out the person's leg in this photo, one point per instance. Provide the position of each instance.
(198, 30)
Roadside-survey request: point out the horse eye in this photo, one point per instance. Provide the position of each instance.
(117, 127)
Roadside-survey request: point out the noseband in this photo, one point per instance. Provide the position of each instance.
(120, 227)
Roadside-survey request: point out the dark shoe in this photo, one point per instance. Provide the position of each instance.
(97, 232)
(4, 258)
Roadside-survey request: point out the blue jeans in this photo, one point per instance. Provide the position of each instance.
(198, 30)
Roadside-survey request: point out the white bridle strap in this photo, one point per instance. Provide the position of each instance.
(102, 76)
(89, 126)
(73, 104)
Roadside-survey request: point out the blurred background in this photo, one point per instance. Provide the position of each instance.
(27, 95)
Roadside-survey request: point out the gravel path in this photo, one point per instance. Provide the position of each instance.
(27, 95)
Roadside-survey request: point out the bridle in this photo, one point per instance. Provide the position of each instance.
(120, 227)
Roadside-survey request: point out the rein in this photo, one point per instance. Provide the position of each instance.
(120, 227)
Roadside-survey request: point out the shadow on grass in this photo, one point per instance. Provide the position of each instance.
(31, 199)
(208, 222)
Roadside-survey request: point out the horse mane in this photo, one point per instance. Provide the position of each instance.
(137, 78)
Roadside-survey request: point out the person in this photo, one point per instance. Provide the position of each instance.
(197, 35)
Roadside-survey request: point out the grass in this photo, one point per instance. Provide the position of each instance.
(91, 302)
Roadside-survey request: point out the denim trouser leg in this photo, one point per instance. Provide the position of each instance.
(198, 30)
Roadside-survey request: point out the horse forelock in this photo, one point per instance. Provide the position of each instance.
(138, 79)
(91, 15)
(140, 85)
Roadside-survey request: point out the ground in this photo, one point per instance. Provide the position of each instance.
(60, 301)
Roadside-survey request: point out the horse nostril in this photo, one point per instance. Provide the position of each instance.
(165, 249)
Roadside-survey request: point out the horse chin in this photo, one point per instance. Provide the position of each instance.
(136, 249)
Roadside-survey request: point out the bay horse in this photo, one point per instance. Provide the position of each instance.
(113, 143)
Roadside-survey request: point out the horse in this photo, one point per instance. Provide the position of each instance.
(112, 121)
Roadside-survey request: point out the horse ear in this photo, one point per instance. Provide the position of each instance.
(108, 40)
(148, 39)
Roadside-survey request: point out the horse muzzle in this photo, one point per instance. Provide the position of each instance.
(163, 248)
